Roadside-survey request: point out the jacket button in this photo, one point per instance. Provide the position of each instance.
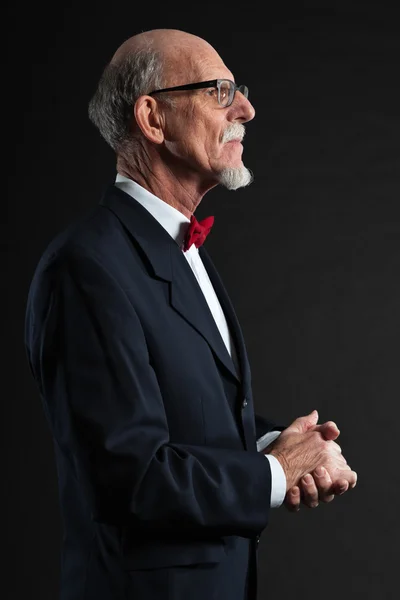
(258, 539)
(244, 403)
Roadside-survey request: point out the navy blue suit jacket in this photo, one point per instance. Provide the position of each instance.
(162, 491)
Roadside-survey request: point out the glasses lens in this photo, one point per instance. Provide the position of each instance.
(244, 90)
(226, 92)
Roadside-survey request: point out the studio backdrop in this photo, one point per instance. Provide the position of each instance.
(309, 253)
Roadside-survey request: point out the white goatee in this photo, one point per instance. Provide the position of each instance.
(234, 177)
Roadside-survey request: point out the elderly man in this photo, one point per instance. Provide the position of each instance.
(166, 476)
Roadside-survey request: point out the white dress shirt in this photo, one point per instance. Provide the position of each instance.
(174, 222)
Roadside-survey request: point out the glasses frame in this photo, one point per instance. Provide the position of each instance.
(216, 83)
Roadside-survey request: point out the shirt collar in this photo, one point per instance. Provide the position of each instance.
(173, 221)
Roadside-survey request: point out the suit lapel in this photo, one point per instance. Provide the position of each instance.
(167, 262)
(231, 318)
(189, 301)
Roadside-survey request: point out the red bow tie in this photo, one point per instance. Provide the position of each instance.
(197, 232)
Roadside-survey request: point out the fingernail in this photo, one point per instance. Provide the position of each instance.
(307, 479)
(320, 471)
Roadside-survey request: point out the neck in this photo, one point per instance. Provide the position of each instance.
(178, 191)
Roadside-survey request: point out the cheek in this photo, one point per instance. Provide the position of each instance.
(211, 143)
(193, 137)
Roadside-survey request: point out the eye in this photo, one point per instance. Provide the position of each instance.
(212, 92)
(224, 93)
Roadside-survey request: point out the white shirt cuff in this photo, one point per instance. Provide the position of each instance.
(267, 439)
(278, 481)
(278, 477)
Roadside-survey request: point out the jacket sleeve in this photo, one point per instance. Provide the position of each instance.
(88, 353)
(264, 426)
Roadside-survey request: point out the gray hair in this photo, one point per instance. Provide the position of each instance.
(121, 84)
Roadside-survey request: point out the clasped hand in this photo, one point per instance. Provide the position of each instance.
(315, 469)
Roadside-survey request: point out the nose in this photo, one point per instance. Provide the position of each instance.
(242, 109)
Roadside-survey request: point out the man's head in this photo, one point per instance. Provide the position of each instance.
(190, 132)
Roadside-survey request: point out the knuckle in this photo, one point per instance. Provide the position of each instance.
(334, 445)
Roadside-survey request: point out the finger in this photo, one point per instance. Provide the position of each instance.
(340, 486)
(348, 475)
(353, 483)
(309, 491)
(345, 475)
(292, 499)
(329, 430)
(323, 482)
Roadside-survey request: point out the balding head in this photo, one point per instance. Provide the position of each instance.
(182, 54)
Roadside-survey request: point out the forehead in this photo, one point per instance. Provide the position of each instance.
(210, 65)
(199, 63)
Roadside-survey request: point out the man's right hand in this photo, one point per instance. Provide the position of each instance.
(304, 446)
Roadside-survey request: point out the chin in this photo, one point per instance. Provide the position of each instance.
(235, 177)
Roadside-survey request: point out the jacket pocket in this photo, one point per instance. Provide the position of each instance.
(167, 553)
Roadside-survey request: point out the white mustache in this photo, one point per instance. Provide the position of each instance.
(235, 131)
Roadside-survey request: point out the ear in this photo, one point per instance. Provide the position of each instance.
(149, 118)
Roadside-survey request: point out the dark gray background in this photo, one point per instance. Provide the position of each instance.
(310, 255)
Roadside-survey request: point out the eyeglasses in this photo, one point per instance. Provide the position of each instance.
(225, 87)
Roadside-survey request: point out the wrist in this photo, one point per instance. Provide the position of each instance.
(282, 461)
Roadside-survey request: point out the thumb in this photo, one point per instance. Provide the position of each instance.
(303, 424)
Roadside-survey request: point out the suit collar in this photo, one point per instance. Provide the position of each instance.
(154, 240)
(173, 221)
